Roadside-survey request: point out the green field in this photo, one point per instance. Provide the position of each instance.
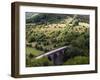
(30, 50)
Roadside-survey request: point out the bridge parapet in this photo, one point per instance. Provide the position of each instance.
(52, 52)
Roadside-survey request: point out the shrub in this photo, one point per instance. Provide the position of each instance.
(72, 52)
(29, 58)
(28, 44)
(28, 61)
(77, 60)
(31, 55)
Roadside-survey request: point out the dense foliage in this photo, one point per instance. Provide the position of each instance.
(46, 32)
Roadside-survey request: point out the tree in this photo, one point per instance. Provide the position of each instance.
(77, 60)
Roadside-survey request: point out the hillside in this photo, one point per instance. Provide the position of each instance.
(46, 18)
(46, 32)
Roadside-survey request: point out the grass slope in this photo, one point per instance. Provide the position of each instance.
(33, 51)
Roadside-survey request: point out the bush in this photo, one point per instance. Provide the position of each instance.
(28, 62)
(28, 44)
(31, 55)
(29, 58)
(77, 60)
(72, 52)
